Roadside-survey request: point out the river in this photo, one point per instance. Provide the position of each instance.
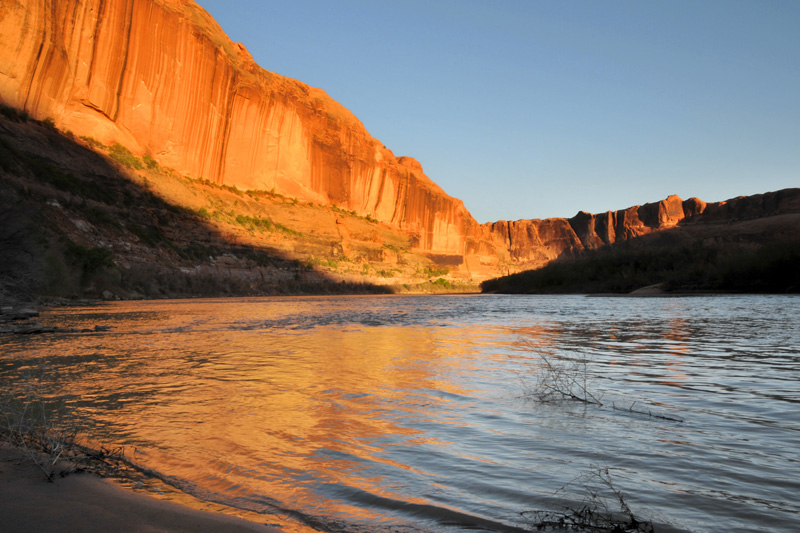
(427, 413)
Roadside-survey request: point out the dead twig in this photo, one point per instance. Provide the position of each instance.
(648, 413)
(563, 378)
(604, 509)
(41, 436)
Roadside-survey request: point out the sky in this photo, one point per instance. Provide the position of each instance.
(536, 109)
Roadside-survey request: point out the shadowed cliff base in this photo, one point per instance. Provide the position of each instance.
(759, 256)
(77, 224)
(275, 165)
(161, 78)
(79, 219)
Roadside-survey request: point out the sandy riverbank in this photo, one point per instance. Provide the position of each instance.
(86, 503)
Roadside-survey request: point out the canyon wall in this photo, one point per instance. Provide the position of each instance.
(528, 244)
(161, 78)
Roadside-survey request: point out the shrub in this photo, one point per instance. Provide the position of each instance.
(196, 252)
(264, 224)
(150, 235)
(256, 223)
(436, 272)
(92, 142)
(316, 261)
(48, 172)
(90, 260)
(150, 163)
(125, 157)
(441, 282)
(60, 279)
(45, 432)
(8, 154)
(399, 250)
(234, 190)
(562, 378)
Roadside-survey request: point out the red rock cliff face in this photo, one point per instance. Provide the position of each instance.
(161, 77)
(527, 244)
(533, 243)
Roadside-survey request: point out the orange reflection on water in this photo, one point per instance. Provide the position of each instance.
(679, 335)
(279, 413)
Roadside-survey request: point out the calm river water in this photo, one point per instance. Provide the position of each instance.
(418, 413)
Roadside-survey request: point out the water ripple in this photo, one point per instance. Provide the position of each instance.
(410, 413)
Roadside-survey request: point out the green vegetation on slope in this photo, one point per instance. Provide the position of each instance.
(769, 268)
(81, 219)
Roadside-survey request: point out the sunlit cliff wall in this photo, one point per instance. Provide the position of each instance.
(161, 77)
(528, 244)
(534, 243)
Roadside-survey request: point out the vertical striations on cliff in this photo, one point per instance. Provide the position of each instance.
(162, 78)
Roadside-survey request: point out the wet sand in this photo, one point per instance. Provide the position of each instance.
(87, 503)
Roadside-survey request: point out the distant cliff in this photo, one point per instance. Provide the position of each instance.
(534, 243)
(161, 78)
(749, 244)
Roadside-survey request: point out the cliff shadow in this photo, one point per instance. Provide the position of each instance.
(76, 223)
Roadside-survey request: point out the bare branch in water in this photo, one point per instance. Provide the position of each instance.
(563, 378)
(604, 509)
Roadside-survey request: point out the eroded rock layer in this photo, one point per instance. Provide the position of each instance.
(161, 78)
(534, 243)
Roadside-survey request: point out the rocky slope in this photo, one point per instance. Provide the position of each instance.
(80, 219)
(161, 79)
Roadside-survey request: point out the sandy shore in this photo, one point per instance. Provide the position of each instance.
(86, 503)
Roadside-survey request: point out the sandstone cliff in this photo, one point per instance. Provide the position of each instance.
(162, 78)
(534, 243)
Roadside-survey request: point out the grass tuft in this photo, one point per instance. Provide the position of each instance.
(124, 156)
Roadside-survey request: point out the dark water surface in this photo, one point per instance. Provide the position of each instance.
(388, 413)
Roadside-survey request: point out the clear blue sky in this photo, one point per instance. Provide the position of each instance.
(536, 109)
